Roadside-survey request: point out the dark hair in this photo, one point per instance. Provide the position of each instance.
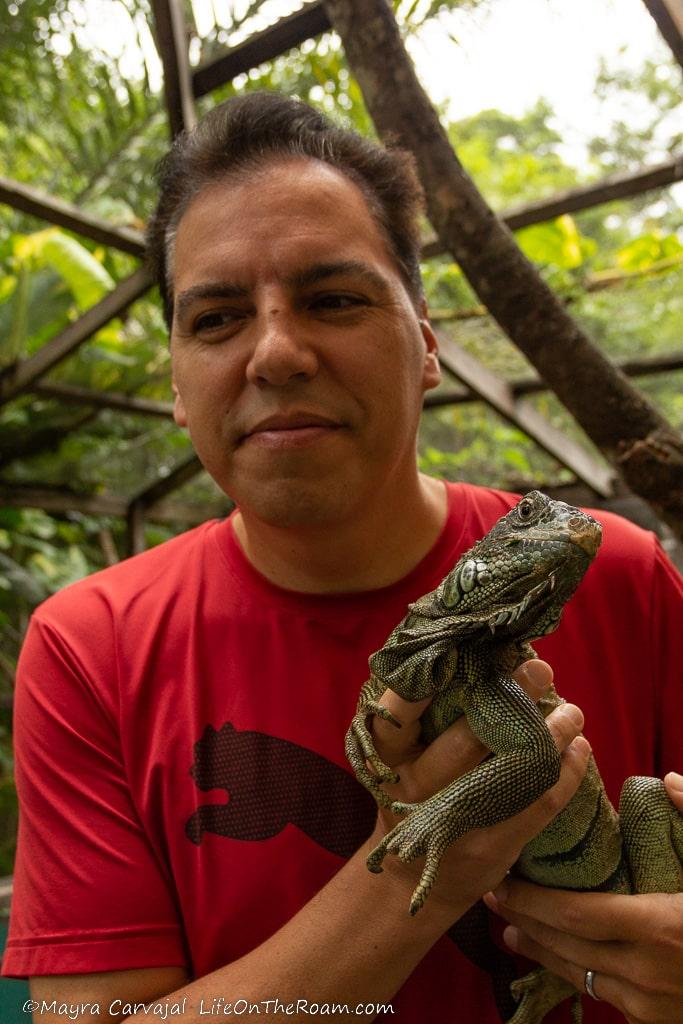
(248, 131)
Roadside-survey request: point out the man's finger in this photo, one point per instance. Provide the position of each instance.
(674, 787)
(609, 956)
(452, 754)
(589, 915)
(535, 677)
(565, 723)
(393, 745)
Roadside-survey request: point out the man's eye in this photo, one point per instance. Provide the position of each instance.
(337, 301)
(214, 321)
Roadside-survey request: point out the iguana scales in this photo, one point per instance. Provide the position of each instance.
(459, 645)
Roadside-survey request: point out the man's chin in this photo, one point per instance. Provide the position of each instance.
(289, 504)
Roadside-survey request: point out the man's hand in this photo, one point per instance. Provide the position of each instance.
(634, 944)
(481, 858)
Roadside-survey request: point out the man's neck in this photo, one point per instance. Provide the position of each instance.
(371, 551)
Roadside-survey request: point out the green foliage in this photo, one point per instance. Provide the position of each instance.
(512, 160)
(72, 124)
(556, 243)
(649, 249)
(83, 274)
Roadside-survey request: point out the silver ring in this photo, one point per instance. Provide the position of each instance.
(588, 980)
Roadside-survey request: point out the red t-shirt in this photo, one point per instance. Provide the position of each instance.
(180, 729)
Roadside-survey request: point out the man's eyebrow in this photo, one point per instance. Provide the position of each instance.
(321, 271)
(210, 290)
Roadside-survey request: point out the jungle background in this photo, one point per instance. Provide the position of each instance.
(73, 125)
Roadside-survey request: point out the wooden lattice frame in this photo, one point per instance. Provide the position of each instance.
(182, 86)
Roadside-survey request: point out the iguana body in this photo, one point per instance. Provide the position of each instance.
(460, 645)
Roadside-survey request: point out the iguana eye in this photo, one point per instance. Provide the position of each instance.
(525, 508)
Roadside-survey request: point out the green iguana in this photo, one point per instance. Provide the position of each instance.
(459, 645)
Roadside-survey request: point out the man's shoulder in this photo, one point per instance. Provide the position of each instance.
(166, 567)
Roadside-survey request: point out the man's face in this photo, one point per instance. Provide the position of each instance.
(299, 361)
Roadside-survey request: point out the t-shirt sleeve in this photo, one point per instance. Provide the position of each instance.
(666, 623)
(90, 893)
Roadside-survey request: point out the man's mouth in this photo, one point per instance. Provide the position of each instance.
(290, 429)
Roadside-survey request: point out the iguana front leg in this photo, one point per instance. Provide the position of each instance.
(525, 766)
(360, 746)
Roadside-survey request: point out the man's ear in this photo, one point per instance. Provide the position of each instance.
(431, 377)
(179, 414)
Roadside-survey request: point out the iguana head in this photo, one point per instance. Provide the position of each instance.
(517, 579)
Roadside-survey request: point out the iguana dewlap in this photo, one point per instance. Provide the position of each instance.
(459, 645)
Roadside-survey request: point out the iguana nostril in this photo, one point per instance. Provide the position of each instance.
(586, 533)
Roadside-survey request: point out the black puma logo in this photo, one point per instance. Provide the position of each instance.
(271, 782)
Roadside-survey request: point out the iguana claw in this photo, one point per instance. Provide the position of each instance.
(538, 993)
(407, 843)
(398, 807)
(361, 752)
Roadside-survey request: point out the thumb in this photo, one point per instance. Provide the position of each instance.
(397, 745)
(674, 788)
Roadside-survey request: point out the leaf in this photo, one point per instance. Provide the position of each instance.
(558, 243)
(516, 457)
(86, 277)
(642, 252)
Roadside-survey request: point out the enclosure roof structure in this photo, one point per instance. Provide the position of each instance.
(183, 86)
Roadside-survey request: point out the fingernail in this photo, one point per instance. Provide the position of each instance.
(581, 745)
(511, 937)
(574, 714)
(538, 674)
(490, 901)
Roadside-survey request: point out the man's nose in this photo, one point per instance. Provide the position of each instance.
(282, 351)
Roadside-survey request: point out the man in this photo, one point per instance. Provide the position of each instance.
(180, 717)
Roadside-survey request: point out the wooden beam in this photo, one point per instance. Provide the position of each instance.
(139, 505)
(534, 385)
(306, 23)
(104, 399)
(42, 437)
(187, 469)
(497, 393)
(172, 43)
(668, 15)
(135, 528)
(64, 215)
(61, 501)
(618, 186)
(21, 376)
